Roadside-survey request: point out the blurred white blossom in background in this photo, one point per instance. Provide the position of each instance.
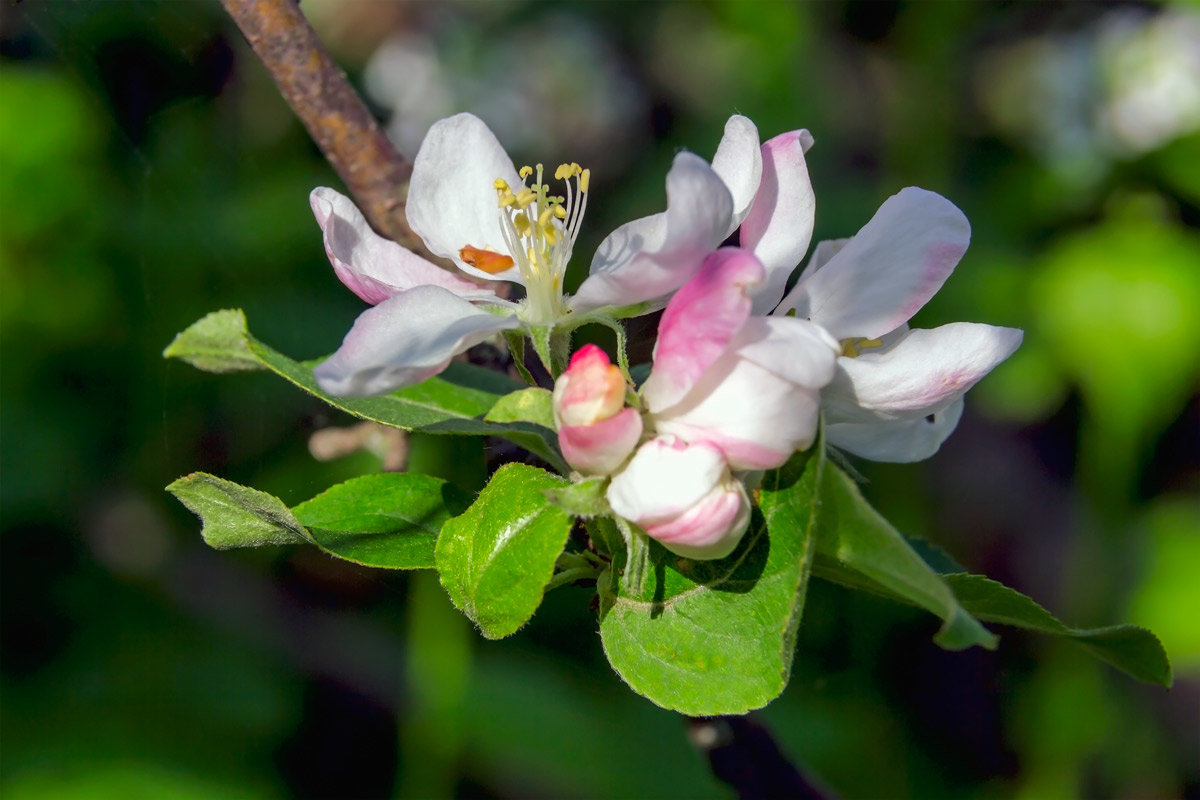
(1082, 100)
(546, 85)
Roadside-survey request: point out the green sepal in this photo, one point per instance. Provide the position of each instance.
(583, 499)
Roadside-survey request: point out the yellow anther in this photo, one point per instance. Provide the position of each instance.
(486, 260)
(550, 234)
(544, 217)
(533, 259)
(525, 197)
(506, 198)
(585, 178)
(559, 211)
(521, 222)
(563, 172)
(500, 185)
(525, 172)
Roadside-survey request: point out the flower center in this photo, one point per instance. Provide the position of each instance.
(540, 230)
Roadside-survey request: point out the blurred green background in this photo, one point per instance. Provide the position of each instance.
(149, 173)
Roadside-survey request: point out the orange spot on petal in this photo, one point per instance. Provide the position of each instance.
(486, 260)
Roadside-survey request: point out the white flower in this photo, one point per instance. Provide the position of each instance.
(747, 385)
(469, 204)
(897, 393)
(684, 496)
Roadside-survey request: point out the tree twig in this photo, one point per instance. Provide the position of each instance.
(321, 96)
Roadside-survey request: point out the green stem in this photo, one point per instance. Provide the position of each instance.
(569, 576)
(638, 556)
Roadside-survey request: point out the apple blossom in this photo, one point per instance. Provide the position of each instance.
(596, 432)
(470, 205)
(684, 496)
(746, 385)
(896, 394)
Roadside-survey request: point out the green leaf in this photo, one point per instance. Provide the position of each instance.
(584, 499)
(235, 515)
(717, 637)
(216, 343)
(1129, 648)
(454, 402)
(496, 558)
(391, 519)
(860, 549)
(525, 405)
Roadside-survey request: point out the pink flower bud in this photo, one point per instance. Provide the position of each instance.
(684, 496)
(591, 389)
(595, 431)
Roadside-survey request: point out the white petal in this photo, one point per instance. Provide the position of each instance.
(780, 223)
(647, 259)
(923, 371)
(888, 270)
(825, 250)
(700, 321)
(797, 350)
(754, 417)
(739, 162)
(375, 268)
(665, 478)
(452, 197)
(902, 441)
(404, 340)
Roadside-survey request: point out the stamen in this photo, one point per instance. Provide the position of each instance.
(490, 262)
(539, 230)
(853, 347)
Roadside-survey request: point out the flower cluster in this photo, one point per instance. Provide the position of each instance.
(742, 369)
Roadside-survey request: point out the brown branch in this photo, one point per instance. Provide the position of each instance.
(321, 96)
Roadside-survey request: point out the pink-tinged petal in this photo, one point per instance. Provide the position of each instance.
(888, 270)
(404, 340)
(710, 529)
(601, 448)
(739, 162)
(901, 441)
(825, 250)
(372, 267)
(452, 200)
(644, 261)
(589, 390)
(700, 321)
(752, 416)
(921, 372)
(682, 492)
(780, 223)
(797, 350)
(665, 478)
